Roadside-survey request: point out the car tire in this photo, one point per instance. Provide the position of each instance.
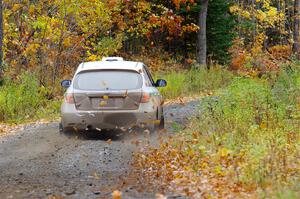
(61, 128)
(162, 123)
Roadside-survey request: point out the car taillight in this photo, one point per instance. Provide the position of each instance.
(145, 98)
(69, 98)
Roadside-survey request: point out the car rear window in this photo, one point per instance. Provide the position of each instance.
(108, 80)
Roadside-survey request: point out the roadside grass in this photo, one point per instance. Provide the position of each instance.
(23, 100)
(245, 143)
(194, 82)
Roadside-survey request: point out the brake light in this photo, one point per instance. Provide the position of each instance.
(145, 98)
(69, 98)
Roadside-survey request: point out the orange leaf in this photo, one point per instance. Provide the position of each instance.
(117, 195)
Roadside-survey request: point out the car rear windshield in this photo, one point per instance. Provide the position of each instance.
(108, 80)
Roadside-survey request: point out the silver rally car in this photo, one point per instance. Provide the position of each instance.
(111, 94)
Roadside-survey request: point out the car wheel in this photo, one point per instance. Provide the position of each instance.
(162, 123)
(61, 128)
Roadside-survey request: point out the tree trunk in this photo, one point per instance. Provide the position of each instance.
(296, 28)
(1, 42)
(202, 40)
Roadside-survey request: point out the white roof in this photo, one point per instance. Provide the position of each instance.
(110, 63)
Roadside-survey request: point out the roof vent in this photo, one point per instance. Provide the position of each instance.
(112, 59)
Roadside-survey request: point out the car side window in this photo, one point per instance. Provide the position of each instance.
(148, 74)
(147, 79)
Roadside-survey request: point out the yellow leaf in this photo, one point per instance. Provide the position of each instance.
(157, 122)
(218, 170)
(103, 103)
(233, 9)
(117, 195)
(224, 152)
(272, 12)
(31, 9)
(263, 125)
(16, 7)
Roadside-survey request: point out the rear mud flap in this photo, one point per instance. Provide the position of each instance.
(120, 120)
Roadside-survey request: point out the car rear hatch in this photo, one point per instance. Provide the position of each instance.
(108, 90)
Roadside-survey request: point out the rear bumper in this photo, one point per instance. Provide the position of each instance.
(106, 119)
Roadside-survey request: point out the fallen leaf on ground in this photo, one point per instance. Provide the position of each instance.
(181, 101)
(160, 196)
(96, 176)
(109, 141)
(117, 195)
(147, 131)
(136, 142)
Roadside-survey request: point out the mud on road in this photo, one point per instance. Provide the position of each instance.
(40, 162)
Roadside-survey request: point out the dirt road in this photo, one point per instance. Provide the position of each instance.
(40, 162)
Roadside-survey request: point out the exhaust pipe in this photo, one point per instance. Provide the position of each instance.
(89, 127)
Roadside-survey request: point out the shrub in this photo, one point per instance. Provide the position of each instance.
(243, 143)
(258, 122)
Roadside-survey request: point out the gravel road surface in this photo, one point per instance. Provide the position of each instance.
(40, 162)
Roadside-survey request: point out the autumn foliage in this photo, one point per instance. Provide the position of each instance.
(52, 37)
(263, 44)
